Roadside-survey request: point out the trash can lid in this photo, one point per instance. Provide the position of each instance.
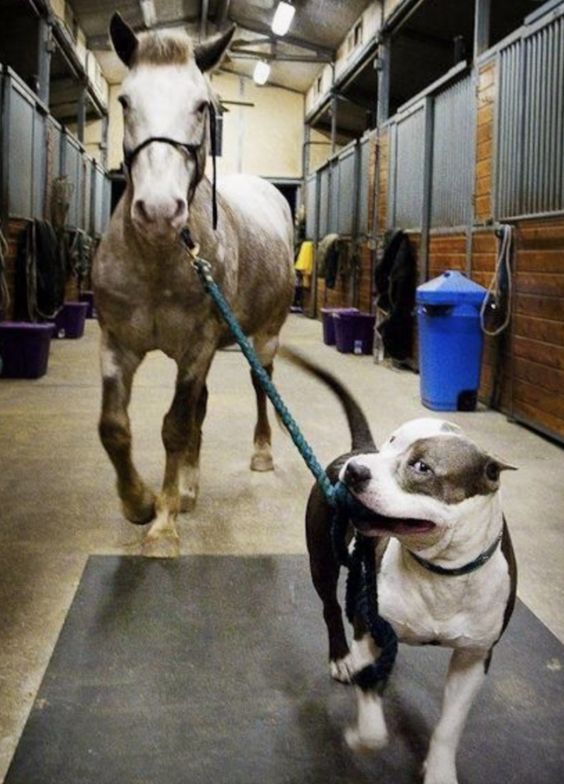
(450, 288)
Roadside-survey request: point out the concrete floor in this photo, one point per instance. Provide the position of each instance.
(58, 504)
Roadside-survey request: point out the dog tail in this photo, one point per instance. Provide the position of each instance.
(358, 425)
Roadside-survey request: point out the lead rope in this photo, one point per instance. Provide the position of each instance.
(361, 583)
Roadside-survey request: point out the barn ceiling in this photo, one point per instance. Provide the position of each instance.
(318, 28)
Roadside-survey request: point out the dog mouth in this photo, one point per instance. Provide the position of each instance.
(402, 526)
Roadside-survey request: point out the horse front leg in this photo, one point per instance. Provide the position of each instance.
(266, 348)
(118, 368)
(190, 468)
(162, 540)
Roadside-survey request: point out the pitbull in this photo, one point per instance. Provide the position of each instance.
(445, 568)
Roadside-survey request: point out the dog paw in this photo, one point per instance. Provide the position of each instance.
(342, 670)
(363, 743)
(439, 772)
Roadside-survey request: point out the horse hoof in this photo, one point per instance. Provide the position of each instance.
(188, 501)
(262, 462)
(165, 545)
(142, 511)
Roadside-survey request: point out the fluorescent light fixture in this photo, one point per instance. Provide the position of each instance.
(283, 18)
(262, 72)
(149, 12)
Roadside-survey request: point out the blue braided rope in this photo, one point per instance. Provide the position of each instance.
(361, 584)
(204, 271)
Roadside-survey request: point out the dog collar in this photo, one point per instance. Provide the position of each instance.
(459, 570)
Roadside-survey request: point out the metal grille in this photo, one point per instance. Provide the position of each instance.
(406, 174)
(39, 163)
(72, 169)
(347, 193)
(98, 193)
(311, 206)
(20, 145)
(530, 129)
(453, 143)
(87, 192)
(364, 186)
(324, 200)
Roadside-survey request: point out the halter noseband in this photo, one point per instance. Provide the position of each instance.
(129, 157)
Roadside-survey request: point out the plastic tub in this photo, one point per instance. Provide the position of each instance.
(354, 332)
(69, 322)
(24, 349)
(327, 315)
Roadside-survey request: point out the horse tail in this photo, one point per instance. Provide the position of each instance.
(361, 435)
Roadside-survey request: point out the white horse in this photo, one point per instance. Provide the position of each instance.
(147, 294)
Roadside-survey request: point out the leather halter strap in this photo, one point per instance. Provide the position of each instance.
(129, 157)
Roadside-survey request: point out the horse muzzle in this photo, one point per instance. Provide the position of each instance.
(159, 219)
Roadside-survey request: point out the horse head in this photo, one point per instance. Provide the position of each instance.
(167, 105)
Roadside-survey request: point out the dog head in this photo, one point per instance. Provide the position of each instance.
(427, 478)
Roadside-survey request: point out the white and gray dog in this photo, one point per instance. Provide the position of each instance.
(445, 569)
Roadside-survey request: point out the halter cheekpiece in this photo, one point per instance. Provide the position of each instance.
(192, 149)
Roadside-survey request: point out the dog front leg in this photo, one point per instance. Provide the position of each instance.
(370, 731)
(466, 673)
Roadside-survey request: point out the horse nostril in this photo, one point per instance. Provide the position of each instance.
(141, 211)
(180, 208)
(356, 474)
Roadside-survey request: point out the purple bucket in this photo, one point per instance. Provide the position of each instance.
(329, 323)
(24, 349)
(69, 322)
(354, 332)
(88, 297)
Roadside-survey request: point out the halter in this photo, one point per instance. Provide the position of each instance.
(129, 157)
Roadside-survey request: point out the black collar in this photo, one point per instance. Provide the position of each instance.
(459, 570)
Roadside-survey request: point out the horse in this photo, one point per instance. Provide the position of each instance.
(147, 295)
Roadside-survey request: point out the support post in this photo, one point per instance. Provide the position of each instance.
(482, 14)
(81, 114)
(44, 59)
(427, 183)
(384, 80)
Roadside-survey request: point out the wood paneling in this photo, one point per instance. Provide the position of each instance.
(446, 252)
(486, 91)
(383, 153)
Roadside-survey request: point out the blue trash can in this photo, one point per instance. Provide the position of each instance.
(450, 342)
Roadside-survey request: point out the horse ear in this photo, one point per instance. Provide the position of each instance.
(123, 38)
(209, 53)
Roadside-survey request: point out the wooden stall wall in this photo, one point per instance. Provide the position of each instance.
(486, 92)
(538, 325)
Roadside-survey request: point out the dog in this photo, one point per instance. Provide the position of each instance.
(445, 568)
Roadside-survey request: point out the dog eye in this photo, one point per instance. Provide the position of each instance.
(421, 467)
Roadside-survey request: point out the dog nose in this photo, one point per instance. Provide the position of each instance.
(356, 474)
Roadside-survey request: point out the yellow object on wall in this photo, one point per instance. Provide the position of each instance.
(304, 262)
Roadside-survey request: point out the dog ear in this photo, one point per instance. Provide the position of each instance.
(123, 38)
(494, 467)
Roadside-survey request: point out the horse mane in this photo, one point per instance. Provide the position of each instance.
(164, 49)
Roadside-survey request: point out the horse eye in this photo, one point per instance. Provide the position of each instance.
(201, 108)
(124, 102)
(421, 467)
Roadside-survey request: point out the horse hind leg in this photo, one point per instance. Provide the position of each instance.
(266, 348)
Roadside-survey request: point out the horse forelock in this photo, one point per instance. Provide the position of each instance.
(164, 49)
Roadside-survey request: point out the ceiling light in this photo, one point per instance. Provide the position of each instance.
(283, 18)
(262, 72)
(149, 12)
